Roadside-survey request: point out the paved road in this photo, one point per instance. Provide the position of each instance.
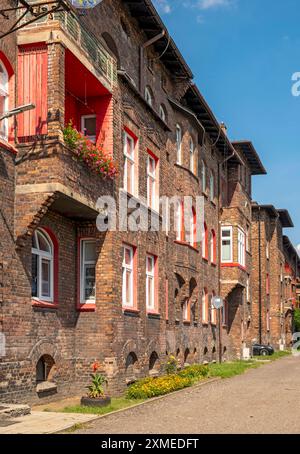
(264, 400)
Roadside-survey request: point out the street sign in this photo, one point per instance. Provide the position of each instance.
(217, 302)
(85, 4)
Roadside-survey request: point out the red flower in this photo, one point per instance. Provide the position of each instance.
(95, 366)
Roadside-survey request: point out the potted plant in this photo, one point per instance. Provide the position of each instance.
(96, 395)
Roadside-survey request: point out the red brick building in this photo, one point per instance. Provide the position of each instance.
(71, 294)
(274, 273)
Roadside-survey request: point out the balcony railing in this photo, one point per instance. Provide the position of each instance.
(103, 62)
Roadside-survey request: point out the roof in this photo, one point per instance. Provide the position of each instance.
(194, 100)
(285, 218)
(249, 152)
(291, 251)
(269, 208)
(149, 20)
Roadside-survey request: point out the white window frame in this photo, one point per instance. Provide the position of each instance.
(43, 255)
(204, 241)
(203, 175)
(268, 250)
(129, 157)
(83, 264)
(82, 119)
(150, 280)
(125, 268)
(178, 144)
(248, 296)
(152, 177)
(192, 156)
(248, 238)
(241, 247)
(4, 91)
(223, 229)
(148, 97)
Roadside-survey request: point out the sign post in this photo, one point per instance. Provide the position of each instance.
(218, 303)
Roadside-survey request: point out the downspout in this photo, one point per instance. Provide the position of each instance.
(142, 52)
(259, 281)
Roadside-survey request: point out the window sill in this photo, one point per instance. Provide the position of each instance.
(153, 315)
(205, 324)
(187, 322)
(86, 307)
(214, 204)
(184, 243)
(213, 264)
(131, 311)
(233, 265)
(8, 146)
(44, 304)
(205, 259)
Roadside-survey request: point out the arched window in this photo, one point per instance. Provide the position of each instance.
(178, 144)
(205, 242)
(163, 112)
(192, 156)
(203, 176)
(212, 186)
(204, 306)
(109, 41)
(149, 96)
(42, 266)
(3, 100)
(213, 311)
(213, 247)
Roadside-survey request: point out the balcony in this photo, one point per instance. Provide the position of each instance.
(65, 27)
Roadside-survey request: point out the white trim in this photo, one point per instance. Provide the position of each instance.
(83, 264)
(223, 229)
(5, 94)
(150, 280)
(241, 247)
(192, 156)
(162, 113)
(152, 178)
(129, 158)
(148, 96)
(82, 121)
(127, 268)
(203, 176)
(46, 256)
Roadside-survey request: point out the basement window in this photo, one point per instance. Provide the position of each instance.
(88, 126)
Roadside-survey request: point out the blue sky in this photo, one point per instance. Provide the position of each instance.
(243, 54)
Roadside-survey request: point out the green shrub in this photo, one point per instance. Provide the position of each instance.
(171, 365)
(152, 387)
(197, 371)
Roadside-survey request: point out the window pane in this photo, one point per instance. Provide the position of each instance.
(127, 256)
(150, 292)
(90, 251)
(89, 282)
(226, 250)
(226, 233)
(130, 147)
(43, 243)
(128, 287)
(130, 167)
(149, 264)
(34, 271)
(90, 126)
(46, 276)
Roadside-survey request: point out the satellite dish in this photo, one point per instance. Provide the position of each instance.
(217, 302)
(85, 4)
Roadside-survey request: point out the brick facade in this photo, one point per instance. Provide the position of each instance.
(43, 186)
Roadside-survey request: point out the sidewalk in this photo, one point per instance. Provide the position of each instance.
(41, 422)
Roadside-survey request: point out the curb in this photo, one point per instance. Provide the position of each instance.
(148, 401)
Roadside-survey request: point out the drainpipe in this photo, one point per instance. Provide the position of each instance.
(142, 52)
(259, 281)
